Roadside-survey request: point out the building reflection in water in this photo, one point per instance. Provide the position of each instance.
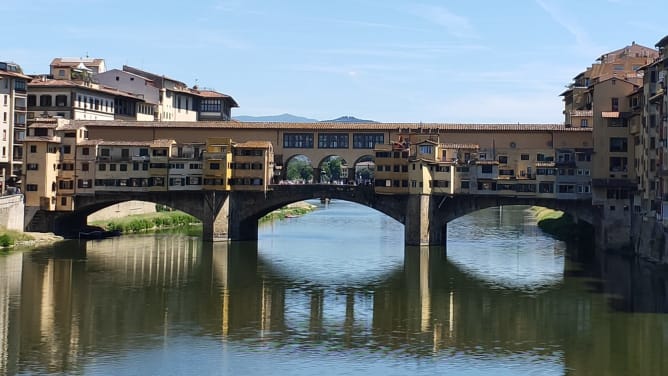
(61, 306)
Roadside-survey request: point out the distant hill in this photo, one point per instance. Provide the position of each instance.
(349, 119)
(283, 118)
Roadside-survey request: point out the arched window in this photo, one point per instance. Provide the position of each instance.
(61, 100)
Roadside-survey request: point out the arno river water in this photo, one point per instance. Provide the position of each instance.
(334, 292)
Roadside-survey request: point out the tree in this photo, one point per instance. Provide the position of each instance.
(299, 169)
(331, 169)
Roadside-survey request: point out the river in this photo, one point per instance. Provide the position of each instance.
(334, 292)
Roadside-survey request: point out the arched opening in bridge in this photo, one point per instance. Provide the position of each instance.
(298, 170)
(505, 247)
(137, 216)
(365, 169)
(334, 170)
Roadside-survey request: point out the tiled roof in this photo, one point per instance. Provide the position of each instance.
(213, 94)
(39, 82)
(366, 127)
(73, 62)
(90, 142)
(14, 74)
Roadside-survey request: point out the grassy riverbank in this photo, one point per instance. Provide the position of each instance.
(297, 209)
(8, 238)
(556, 223)
(148, 222)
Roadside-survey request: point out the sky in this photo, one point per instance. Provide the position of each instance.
(444, 61)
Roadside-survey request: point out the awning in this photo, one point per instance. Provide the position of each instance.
(611, 114)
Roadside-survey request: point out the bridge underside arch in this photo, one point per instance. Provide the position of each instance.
(246, 208)
(203, 205)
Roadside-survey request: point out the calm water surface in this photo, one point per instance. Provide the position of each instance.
(334, 292)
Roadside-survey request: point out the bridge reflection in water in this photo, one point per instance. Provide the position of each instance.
(62, 306)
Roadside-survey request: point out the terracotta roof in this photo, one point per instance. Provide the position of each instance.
(39, 82)
(73, 62)
(14, 74)
(213, 94)
(254, 144)
(366, 127)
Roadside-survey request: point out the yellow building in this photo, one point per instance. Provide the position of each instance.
(253, 166)
(216, 159)
(41, 162)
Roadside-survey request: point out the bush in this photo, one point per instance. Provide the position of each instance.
(6, 240)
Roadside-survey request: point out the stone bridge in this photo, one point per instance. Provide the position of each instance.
(234, 215)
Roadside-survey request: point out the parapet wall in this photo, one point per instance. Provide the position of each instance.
(12, 212)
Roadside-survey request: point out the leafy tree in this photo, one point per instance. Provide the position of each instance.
(299, 169)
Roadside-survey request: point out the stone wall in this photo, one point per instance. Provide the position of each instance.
(649, 239)
(121, 210)
(12, 212)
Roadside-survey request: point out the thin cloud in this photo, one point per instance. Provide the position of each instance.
(456, 25)
(582, 39)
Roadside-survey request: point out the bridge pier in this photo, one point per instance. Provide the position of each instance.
(423, 226)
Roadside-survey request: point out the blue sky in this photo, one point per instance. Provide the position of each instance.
(406, 61)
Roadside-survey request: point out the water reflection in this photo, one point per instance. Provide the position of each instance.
(175, 305)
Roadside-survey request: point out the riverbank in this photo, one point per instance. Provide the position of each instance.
(12, 239)
(148, 222)
(555, 223)
(296, 209)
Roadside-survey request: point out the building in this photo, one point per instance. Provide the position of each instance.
(253, 166)
(172, 100)
(13, 112)
(83, 100)
(70, 68)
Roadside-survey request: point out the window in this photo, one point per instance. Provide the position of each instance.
(31, 187)
(102, 167)
(45, 100)
(214, 166)
(614, 104)
(618, 144)
(32, 100)
(426, 149)
(84, 167)
(32, 166)
(125, 153)
(61, 100)
(367, 140)
(210, 105)
(33, 148)
(486, 169)
(112, 167)
(298, 140)
(618, 164)
(85, 151)
(503, 159)
(524, 157)
(67, 149)
(123, 167)
(104, 152)
(332, 141)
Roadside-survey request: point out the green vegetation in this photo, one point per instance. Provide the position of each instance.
(9, 237)
(330, 169)
(556, 223)
(287, 211)
(299, 169)
(147, 222)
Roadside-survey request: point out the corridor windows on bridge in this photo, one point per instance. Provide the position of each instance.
(367, 140)
(332, 141)
(298, 140)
